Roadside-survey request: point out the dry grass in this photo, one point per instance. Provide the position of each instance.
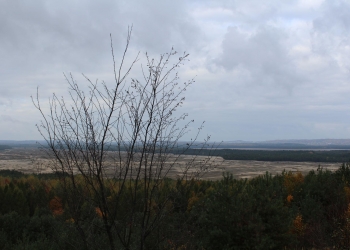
(30, 160)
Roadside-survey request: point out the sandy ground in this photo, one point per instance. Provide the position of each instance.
(33, 161)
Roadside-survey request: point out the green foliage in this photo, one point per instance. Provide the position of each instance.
(11, 173)
(321, 200)
(287, 211)
(242, 214)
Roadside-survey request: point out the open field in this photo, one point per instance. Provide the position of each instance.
(32, 160)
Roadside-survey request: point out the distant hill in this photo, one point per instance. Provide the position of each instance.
(13, 143)
(299, 144)
(318, 144)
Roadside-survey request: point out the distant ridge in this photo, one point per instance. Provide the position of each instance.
(302, 144)
(21, 144)
(8, 142)
(313, 141)
(295, 144)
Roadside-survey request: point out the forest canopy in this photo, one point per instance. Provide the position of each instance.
(286, 211)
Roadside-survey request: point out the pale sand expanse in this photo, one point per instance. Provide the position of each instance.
(33, 161)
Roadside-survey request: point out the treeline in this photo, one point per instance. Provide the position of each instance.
(3, 147)
(282, 146)
(274, 155)
(287, 211)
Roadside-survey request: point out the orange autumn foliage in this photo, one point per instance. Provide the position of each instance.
(71, 220)
(291, 180)
(56, 206)
(289, 198)
(99, 212)
(298, 226)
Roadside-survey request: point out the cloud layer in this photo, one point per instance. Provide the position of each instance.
(264, 70)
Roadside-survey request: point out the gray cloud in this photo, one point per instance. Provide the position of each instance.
(265, 69)
(44, 39)
(159, 25)
(331, 34)
(263, 55)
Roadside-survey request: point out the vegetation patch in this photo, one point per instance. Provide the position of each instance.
(286, 211)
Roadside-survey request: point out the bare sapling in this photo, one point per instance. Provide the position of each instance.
(114, 148)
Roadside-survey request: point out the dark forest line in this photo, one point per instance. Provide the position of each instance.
(302, 155)
(275, 155)
(3, 147)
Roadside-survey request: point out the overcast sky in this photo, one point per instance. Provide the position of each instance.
(264, 70)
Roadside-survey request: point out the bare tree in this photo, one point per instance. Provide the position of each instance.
(114, 148)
